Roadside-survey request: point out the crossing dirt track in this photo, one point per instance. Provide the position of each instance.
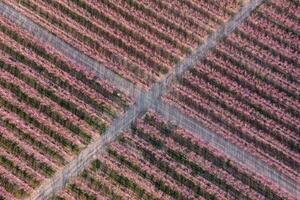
(149, 99)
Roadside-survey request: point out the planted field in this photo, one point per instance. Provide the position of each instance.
(157, 160)
(50, 109)
(248, 88)
(55, 108)
(139, 40)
